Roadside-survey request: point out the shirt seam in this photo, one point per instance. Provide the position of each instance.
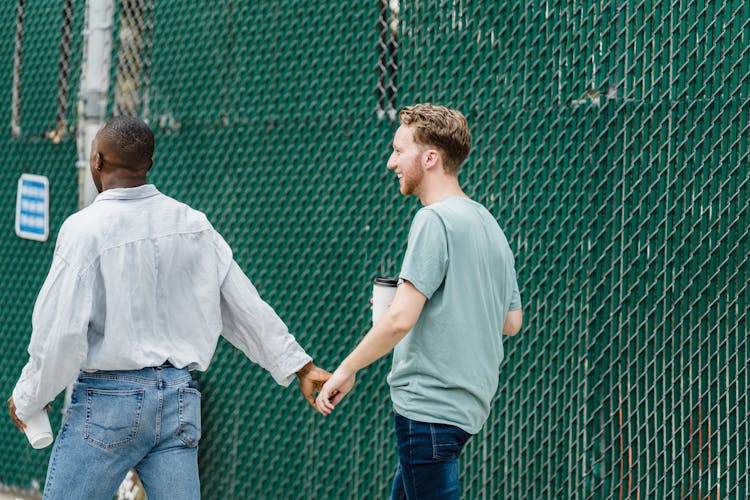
(87, 268)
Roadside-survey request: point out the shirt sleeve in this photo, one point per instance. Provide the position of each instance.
(426, 257)
(58, 344)
(515, 297)
(252, 326)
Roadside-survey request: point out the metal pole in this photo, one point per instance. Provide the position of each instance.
(92, 104)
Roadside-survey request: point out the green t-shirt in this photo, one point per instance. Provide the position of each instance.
(446, 369)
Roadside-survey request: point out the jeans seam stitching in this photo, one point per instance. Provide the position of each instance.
(411, 455)
(129, 378)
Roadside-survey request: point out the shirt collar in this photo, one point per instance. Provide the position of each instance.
(133, 193)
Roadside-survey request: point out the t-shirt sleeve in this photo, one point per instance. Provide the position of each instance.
(426, 258)
(515, 297)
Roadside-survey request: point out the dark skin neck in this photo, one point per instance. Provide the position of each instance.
(113, 178)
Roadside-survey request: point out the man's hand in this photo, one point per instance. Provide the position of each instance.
(311, 380)
(12, 407)
(340, 383)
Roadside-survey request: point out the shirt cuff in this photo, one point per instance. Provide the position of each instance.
(23, 412)
(285, 372)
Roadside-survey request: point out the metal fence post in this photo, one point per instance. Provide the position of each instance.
(92, 104)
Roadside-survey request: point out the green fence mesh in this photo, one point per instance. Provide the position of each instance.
(40, 67)
(611, 141)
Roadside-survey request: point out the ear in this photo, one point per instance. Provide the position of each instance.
(99, 161)
(430, 159)
(150, 164)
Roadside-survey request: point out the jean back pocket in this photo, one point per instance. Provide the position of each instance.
(189, 430)
(112, 417)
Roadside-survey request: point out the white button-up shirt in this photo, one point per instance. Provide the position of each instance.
(139, 279)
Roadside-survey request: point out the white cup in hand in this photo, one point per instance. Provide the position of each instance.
(383, 290)
(38, 430)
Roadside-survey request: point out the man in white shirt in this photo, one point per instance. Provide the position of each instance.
(140, 288)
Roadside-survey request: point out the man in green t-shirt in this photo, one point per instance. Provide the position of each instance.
(457, 295)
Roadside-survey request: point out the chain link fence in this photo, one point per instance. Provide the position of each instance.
(611, 141)
(40, 63)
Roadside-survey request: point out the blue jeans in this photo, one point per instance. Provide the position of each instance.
(147, 420)
(427, 460)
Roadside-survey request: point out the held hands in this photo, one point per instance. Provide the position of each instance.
(311, 379)
(340, 383)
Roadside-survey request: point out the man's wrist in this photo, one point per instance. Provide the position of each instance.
(302, 372)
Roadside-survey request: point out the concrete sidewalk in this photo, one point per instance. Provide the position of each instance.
(4, 495)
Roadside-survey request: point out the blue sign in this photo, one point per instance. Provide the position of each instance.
(32, 207)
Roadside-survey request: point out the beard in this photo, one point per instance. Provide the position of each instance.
(411, 178)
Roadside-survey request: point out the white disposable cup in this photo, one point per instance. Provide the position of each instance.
(38, 430)
(383, 290)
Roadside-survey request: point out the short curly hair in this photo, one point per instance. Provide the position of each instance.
(440, 127)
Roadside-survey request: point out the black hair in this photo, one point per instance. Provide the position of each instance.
(131, 140)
